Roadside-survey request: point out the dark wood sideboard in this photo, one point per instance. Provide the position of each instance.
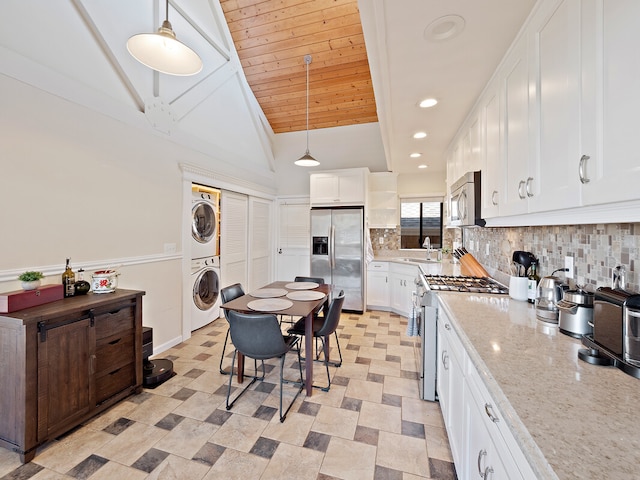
(64, 362)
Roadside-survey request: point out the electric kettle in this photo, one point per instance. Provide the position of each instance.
(550, 292)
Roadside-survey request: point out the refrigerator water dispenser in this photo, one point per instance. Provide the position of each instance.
(320, 245)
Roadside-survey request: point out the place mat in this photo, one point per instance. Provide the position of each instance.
(305, 295)
(302, 285)
(269, 304)
(269, 293)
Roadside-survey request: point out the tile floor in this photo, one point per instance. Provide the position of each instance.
(370, 425)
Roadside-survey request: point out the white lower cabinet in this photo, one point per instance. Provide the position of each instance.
(403, 284)
(378, 296)
(482, 445)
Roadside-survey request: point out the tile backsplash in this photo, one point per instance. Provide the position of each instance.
(596, 249)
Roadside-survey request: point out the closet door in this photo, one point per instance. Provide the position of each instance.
(293, 251)
(234, 215)
(260, 242)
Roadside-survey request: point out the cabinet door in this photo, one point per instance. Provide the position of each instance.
(493, 173)
(66, 380)
(556, 107)
(402, 286)
(516, 133)
(616, 176)
(324, 188)
(351, 188)
(378, 289)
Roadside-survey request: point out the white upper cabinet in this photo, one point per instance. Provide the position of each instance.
(556, 106)
(613, 171)
(492, 169)
(383, 200)
(339, 187)
(519, 181)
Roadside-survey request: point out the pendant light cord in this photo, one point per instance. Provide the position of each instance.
(307, 60)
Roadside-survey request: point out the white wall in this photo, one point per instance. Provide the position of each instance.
(79, 184)
(429, 183)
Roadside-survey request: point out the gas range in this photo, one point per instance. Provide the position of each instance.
(452, 283)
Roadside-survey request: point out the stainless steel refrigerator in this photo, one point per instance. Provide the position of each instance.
(337, 252)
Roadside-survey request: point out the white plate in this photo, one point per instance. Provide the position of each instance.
(302, 285)
(269, 293)
(269, 304)
(305, 295)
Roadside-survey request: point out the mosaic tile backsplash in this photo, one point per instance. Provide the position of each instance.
(596, 249)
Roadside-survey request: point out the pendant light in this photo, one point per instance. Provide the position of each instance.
(161, 51)
(307, 160)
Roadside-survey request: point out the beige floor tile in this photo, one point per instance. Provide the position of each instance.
(419, 411)
(47, 474)
(293, 463)
(293, 430)
(235, 465)
(208, 382)
(171, 386)
(132, 443)
(438, 443)
(67, 453)
(113, 470)
(349, 460)
(406, 387)
(354, 371)
(199, 405)
(381, 367)
(154, 409)
(333, 397)
(177, 468)
(8, 461)
(187, 438)
(336, 422)
(373, 352)
(239, 432)
(364, 390)
(381, 417)
(403, 453)
(119, 410)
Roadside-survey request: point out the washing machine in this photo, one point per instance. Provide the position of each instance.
(205, 222)
(205, 288)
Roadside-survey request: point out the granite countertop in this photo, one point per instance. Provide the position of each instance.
(579, 420)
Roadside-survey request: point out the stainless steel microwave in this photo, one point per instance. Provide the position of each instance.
(465, 202)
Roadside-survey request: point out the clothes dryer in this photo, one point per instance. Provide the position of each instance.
(205, 222)
(205, 291)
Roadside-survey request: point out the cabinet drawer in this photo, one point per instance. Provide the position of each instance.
(115, 351)
(121, 317)
(115, 381)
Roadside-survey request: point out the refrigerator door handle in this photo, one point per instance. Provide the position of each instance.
(332, 244)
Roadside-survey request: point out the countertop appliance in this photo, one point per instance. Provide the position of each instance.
(576, 313)
(550, 292)
(615, 314)
(337, 251)
(465, 201)
(427, 288)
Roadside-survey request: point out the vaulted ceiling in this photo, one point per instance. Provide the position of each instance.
(272, 38)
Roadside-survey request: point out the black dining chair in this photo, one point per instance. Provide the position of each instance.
(227, 294)
(323, 327)
(258, 336)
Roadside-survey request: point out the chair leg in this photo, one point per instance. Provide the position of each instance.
(283, 381)
(253, 380)
(228, 371)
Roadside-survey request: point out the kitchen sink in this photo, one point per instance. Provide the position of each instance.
(414, 260)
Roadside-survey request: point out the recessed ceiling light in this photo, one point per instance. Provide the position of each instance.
(422, 166)
(427, 103)
(419, 134)
(415, 155)
(444, 28)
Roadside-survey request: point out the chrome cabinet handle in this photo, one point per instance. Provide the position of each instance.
(493, 198)
(482, 453)
(528, 187)
(488, 409)
(488, 471)
(447, 326)
(582, 169)
(521, 192)
(445, 360)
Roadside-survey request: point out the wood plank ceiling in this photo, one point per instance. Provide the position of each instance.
(273, 36)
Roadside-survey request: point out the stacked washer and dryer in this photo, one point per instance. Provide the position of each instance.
(205, 255)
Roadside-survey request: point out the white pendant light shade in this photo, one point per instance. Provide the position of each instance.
(307, 160)
(161, 51)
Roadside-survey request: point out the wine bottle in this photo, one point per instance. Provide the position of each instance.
(532, 284)
(68, 280)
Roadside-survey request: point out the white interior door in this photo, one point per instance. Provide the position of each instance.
(234, 214)
(260, 242)
(293, 242)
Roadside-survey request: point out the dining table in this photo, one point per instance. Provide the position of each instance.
(298, 308)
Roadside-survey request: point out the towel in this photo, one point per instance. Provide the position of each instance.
(413, 329)
(369, 252)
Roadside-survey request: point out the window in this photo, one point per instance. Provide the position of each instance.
(420, 218)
